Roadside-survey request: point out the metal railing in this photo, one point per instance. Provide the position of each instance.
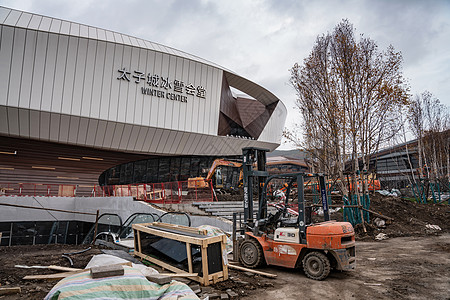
(166, 192)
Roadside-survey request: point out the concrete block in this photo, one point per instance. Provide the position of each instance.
(107, 271)
(224, 297)
(159, 279)
(232, 294)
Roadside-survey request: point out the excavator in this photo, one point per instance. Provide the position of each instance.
(200, 182)
(280, 240)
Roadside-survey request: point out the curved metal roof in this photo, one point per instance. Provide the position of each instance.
(16, 18)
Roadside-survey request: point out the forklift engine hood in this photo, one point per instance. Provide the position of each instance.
(330, 235)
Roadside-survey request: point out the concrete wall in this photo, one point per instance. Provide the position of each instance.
(123, 206)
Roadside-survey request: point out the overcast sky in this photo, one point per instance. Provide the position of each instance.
(262, 39)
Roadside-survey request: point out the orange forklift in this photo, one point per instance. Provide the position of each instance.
(276, 239)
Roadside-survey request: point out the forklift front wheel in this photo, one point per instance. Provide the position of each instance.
(250, 253)
(316, 265)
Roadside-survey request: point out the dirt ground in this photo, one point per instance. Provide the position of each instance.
(413, 263)
(397, 268)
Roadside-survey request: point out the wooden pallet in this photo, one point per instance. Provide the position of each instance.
(212, 270)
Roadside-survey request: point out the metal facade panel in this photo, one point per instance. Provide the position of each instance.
(147, 104)
(35, 117)
(4, 120)
(149, 45)
(75, 29)
(118, 38)
(84, 31)
(130, 105)
(28, 64)
(65, 27)
(38, 73)
(59, 68)
(190, 69)
(35, 22)
(195, 81)
(134, 41)
(169, 142)
(133, 137)
(110, 36)
(73, 129)
(123, 86)
(140, 97)
(148, 139)
(12, 18)
(24, 123)
(162, 141)
(141, 138)
(82, 131)
(70, 67)
(101, 34)
(100, 133)
(45, 24)
(203, 103)
(191, 144)
(49, 103)
(173, 148)
(91, 132)
(4, 12)
(88, 80)
(155, 140)
(108, 76)
(92, 32)
(7, 36)
(163, 103)
(55, 27)
(117, 136)
(210, 89)
(24, 20)
(185, 137)
(178, 75)
(64, 128)
(154, 109)
(44, 126)
(186, 107)
(55, 123)
(109, 135)
(215, 110)
(13, 121)
(126, 40)
(115, 83)
(80, 72)
(200, 145)
(16, 70)
(97, 85)
(125, 136)
(171, 112)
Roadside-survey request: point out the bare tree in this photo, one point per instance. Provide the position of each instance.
(349, 94)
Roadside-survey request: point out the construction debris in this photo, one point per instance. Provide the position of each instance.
(107, 271)
(9, 290)
(381, 236)
(252, 271)
(176, 247)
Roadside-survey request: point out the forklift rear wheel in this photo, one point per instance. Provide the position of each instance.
(316, 265)
(250, 253)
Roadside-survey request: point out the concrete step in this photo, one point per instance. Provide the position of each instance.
(232, 209)
(221, 203)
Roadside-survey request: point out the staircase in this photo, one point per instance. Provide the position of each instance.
(226, 209)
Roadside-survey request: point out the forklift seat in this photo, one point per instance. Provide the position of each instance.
(289, 222)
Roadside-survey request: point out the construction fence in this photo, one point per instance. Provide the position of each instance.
(166, 192)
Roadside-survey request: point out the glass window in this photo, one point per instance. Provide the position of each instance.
(140, 171)
(152, 170)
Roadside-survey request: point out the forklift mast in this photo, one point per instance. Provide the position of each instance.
(250, 157)
(254, 168)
